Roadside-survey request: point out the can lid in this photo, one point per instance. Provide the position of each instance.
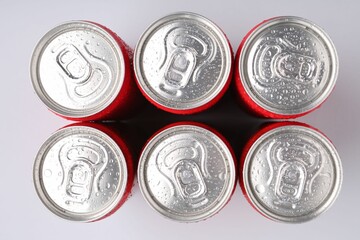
(288, 65)
(292, 174)
(77, 69)
(182, 61)
(186, 173)
(80, 173)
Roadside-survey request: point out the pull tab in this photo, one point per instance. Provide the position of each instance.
(86, 76)
(281, 60)
(179, 163)
(185, 56)
(82, 163)
(298, 163)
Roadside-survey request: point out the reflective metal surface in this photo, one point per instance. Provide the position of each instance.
(182, 61)
(77, 69)
(186, 173)
(80, 173)
(288, 65)
(292, 174)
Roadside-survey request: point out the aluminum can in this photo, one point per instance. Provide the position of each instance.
(187, 172)
(183, 63)
(285, 68)
(83, 172)
(83, 71)
(290, 172)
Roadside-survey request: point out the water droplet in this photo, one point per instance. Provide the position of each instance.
(108, 185)
(87, 42)
(260, 188)
(222, 176)
(47, 173)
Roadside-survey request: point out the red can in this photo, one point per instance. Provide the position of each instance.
(183, 63)
(290, 172)
(187, 172)
(285, 68)
(83, 71)
(84, 172)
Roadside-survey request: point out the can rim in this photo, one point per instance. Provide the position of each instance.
(143, 183)
(141, 80)
(323, 37)
(326, 203)
(46, 199)
(37, 55)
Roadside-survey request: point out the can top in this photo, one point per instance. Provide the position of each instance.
(182, 61)
(292, 174)
(77, 69)
(186, 173)
(80, 173)
(288, 65)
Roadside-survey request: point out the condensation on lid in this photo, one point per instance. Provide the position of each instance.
(80, 173)
(182, 61)
(292, 174)
(77, 69)
(186, 173)
(288, 65)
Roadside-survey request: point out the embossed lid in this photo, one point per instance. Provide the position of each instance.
(182, 62)
(80, 174)
(77, 69)
(186, 173)
(288, 65)
(292, 173)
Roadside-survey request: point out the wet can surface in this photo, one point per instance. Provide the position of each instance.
(83, 172)
(183, 63)
(187, 172)
(83, 71)
(290, 172)
(285, 68)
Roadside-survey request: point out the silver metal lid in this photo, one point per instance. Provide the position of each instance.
(80, 174)
(292, 174)
(77, 69)
(186, 173)
(288, 65)
(182, 61)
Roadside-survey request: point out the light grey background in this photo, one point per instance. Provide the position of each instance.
(26, 124)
